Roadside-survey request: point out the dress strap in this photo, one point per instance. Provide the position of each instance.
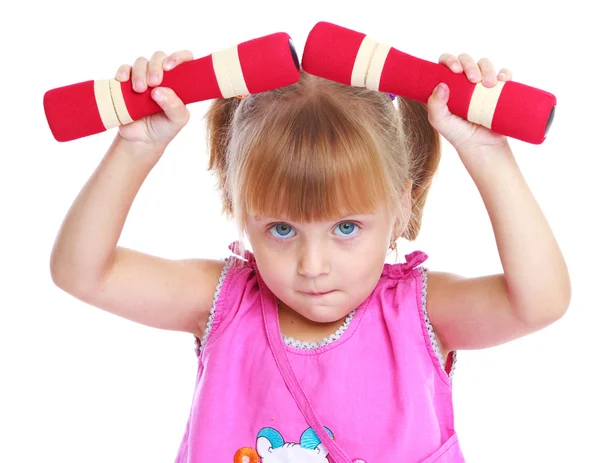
(269, 303)
(236, 249)
(404, 269)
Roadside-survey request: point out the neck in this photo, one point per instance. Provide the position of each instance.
(294, 325)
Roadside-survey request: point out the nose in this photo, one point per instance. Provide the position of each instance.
(314, 260)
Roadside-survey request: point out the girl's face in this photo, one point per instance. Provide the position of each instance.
(344, 258)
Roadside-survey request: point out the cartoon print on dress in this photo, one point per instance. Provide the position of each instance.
(271, 448)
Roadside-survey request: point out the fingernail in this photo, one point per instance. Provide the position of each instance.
(441, 90)
(169, 64)
(473, 76)
(138, 84)
(158, 94)
(122, 75)
(455, 67)
(501, 76)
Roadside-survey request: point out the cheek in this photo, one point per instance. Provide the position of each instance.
(274, 270)
(361, 272)
(364, 271)
(368, 258)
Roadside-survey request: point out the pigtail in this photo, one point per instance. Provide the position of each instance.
(219, 118)
(424, 152)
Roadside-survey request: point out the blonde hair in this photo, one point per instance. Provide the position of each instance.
(318, 150)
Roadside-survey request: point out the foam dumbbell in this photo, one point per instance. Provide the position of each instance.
(90, 107)
(353, 58)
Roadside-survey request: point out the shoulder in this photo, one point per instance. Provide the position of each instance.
(473, 313)
(231, 273)
(231, 279)
(438, 281)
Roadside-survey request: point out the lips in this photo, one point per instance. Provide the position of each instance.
(319, 294)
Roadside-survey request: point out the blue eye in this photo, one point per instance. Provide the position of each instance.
(284, 230)
(351, 224)
(283, 226)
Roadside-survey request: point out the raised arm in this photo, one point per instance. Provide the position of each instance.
(534, 290)
(86, 261)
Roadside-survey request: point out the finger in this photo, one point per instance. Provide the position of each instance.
(437, 104)
(470, 66)
(177, 58)
(172, 105)
(138, 74)
(488, 74)
(155, 70)
(505, 75)
(123, 73)
(451, 61)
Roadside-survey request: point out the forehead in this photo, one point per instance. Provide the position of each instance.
(365, 215)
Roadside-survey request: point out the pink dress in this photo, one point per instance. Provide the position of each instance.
(378, 386)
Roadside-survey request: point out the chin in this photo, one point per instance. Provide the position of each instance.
(325, 315)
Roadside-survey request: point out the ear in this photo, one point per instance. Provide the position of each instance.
(263, 446)
(267, 439)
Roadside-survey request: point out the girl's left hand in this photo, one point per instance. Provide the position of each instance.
(462, 134)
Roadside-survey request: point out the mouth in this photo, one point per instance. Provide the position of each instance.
(319, 294)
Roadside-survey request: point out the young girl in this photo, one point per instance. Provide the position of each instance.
(311, 348)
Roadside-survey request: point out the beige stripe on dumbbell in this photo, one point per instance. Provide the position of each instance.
(483, 104)
(228, 71)
(362, 61)
(369, 63)
(110, 103)
(119, 102)
(106, 109)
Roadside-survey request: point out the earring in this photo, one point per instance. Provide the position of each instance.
(393, 244)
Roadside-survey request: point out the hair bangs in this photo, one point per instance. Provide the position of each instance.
(314, 161)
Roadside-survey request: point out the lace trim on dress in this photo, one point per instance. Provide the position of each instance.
(200, 343)
(325, 341)
(432, 337)
(453, 366)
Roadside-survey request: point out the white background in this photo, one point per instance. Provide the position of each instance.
(81, 385)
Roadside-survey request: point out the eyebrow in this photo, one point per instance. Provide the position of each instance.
(262, 219)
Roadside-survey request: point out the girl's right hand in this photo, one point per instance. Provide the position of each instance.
(155, 130)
